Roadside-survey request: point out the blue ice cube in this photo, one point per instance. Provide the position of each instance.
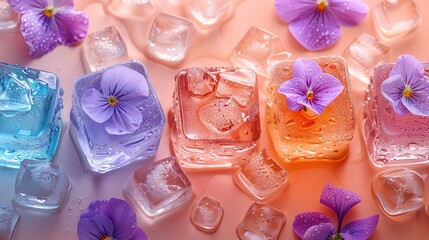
(8, 220)
(30, 105)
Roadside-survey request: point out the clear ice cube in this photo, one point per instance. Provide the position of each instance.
(238, 84)
(212, 130)
(170, 39)
(9, 19)
(104, 48)
(159, 187)
(398, 191)
(100, 151)
(41, 185)
(9, 218)
(396, 18)
(363, 55)
(254, 50)
(132, 8)
(30, 105)
(207, 214)
(260, 176)
(209, 14)
(393, 139)
(261, 222)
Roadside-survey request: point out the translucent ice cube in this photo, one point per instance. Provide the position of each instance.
(398, 191)
(9, 19)
(8, 221)
(363, 55)
(159, 187)
(30, 104)
(132, 8)
(100, 151)
(104, 48)
(396, 18)
(238, 84)
(261, 176)
(254, 50)
(41, 185)
(209, 14)
(200, 82)
(261, 222)
(207, 214)
(170, 39)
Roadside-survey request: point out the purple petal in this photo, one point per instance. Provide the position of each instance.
(96, 106)
(325, 88)
(72, 25)
(338, 199)
(22, 5)
(288, 10)
(39, 33)
(391, 90)
(125, 119)
(94, 208)
(95, 228)
(306, 69)
(123, 218)
(360, 229)
(418, 103)
(60, 3)
(409, 68)
(315, 31)
(320, 232)
(140, 235)
(126, 84)
(348, 12)
(295, 91)
(306, 220)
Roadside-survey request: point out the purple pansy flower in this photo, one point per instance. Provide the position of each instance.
(407, 87)
(47, 23)
(310, 87)
(116, 106)
(316, 23)
(316, 226)
(112, 219)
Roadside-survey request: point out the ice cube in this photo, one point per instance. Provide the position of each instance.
(209, 14)
(132, 8)
(398, 191)
(238, 84)
(8, 221)
(159, 187)
(393, 139)
(30, 105)
(41, 185)
(260, 176)
(254, 50)
(363, 55)
(104, 48)
(396, 18)
(9, 19)
(261, 222)
(100, 151)
(200, 82)
(169, 39)
(207, 214)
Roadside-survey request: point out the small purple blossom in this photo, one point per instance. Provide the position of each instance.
(116, 106)
(315, 24)
(47, 23)
(316, 226)
(108, 220)
(407, 87)
(310, 87)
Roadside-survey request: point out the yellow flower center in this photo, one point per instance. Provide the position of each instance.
(49, 12)
(112, 100)
(106, 238)
(407, 92)
(322, 5)
(310, 95)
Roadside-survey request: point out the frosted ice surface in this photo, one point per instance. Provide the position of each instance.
(238, 84)
(221, 116)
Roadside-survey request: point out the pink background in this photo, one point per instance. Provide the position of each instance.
(211, 49)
